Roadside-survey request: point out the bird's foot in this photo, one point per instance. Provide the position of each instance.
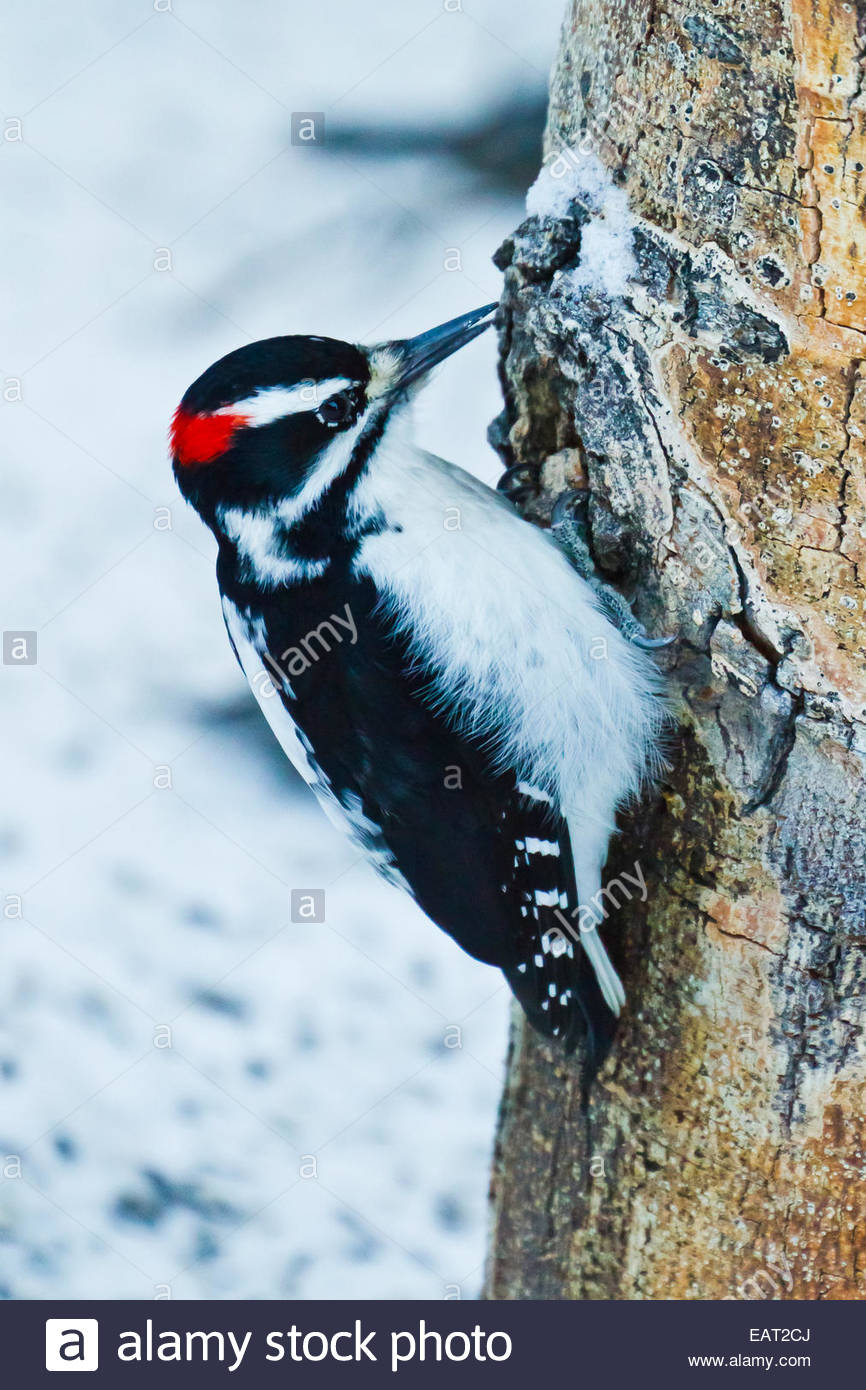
(570, 522)
(518, 483)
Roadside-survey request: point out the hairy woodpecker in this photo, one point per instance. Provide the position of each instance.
(451, 688)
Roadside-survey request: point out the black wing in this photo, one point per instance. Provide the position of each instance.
(488, 863)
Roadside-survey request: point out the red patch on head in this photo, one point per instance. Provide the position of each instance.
(198, 439)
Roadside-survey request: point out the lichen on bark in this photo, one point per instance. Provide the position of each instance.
(717, 413)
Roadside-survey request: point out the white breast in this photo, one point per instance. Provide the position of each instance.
(520, 652)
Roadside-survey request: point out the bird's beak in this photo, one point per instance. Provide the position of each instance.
(419, 355)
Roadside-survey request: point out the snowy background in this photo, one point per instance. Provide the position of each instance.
(153, 915)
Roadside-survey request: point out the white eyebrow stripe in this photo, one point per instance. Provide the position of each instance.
(274, 402)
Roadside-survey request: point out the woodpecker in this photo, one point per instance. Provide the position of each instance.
(452, 689)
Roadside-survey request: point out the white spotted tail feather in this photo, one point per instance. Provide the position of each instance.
(558, 992)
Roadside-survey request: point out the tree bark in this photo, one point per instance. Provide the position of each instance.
(717, 410)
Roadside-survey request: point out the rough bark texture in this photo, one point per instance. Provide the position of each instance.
(718, 411)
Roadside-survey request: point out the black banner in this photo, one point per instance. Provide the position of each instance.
(427, 1344)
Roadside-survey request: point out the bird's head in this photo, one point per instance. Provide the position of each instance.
(280, 421)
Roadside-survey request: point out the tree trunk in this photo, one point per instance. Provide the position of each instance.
(691, 345)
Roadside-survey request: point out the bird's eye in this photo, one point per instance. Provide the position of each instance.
(336, 410)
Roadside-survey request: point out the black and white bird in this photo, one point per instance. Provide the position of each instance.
(448, 685)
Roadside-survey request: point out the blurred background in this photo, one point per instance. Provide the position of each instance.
(198, 1097)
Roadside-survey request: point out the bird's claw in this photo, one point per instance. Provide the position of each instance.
(640, 639)
(518, 482)
(566, 503)
(632, 630)
(567, 509)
